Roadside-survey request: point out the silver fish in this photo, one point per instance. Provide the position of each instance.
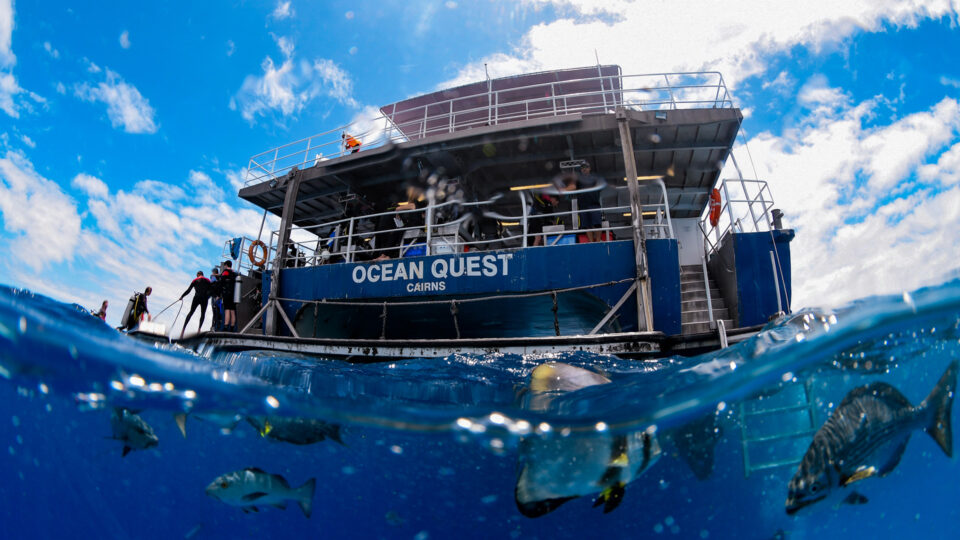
(135, 433)
(557, 469)
(866, 436)
(295, 430)
(252, 487)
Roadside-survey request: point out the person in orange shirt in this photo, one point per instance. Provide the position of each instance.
(350, 143)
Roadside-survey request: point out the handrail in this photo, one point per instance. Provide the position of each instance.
(447, 233)
(739, 210)
(654, 91)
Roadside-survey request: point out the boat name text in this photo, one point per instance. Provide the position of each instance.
(489, 265)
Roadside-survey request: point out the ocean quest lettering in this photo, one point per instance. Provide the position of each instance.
(439, 269)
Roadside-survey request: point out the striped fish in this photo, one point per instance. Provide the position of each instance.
(866, 436)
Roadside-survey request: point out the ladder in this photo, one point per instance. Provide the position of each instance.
(777, 428)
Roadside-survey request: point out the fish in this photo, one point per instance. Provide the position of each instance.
(695, 443)
(252, 487)
(866, 436)
(559, 469)
(554, 469)
(135, 433)
(226, 421)
(295, 430)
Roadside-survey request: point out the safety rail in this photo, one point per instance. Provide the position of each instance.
(355, 238)
(656, 91)
(740, 211)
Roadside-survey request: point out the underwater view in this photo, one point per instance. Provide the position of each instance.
(106, 436)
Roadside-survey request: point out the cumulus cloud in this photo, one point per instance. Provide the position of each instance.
(868, 201)
(157, 233)
(125, 39)
(42, 219)
(91, 185)
(126, 107)
(7, 58)
(286, 89)
(735, 39)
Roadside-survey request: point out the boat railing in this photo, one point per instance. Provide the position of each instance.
(746, 206)
(657, 91)
(461, 227)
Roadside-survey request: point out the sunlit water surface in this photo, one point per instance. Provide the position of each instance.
(433, 448)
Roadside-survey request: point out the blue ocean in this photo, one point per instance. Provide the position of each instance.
(463, 446)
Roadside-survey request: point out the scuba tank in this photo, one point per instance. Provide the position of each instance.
(236, 290)
(127, 312)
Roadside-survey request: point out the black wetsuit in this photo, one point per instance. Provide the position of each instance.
(227, 280)
(201, 293)
(139, 308)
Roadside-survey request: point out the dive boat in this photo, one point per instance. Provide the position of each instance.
(466, 220)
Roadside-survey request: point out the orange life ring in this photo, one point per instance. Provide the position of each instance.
(714, 207)
(257, 261)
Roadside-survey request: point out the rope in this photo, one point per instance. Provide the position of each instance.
(460, 300)
(556, 319)
(453, 311)
(168, 307)
(177, 315)
(383, 318)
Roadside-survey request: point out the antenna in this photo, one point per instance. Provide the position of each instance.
(485, 70)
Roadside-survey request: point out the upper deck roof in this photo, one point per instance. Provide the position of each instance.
(682, 125)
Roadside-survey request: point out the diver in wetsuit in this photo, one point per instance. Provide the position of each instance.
(201, 293)
(139, 309)
(227, 280)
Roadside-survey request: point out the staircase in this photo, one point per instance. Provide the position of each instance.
(694, 317)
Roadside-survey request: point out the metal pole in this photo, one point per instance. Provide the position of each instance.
(286, 220)
(776, 283)
(644, 309)
(350, 243)
(523, 207)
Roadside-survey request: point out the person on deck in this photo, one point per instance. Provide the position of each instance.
(589, 204)
(102, 314)
(139, 309)
(201, 287)
(216, 304)
(350, 143)
(227, 280)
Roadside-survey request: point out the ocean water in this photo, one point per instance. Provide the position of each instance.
(434, 448)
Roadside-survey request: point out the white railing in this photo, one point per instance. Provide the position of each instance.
(746, 207)
(659, 91)
(356, 238)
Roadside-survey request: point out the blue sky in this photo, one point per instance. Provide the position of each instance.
(125, 128)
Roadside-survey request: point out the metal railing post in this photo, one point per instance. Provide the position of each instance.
(706, 287)
(523, 207)
(776, 282)
(349, 258)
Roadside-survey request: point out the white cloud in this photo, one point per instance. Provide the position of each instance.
(866, 205)
(733, 38)
(288, 88)
(125, 39)
(282, 11)
(28, 141)
(948, 81)
(231, 47)
(50, 50)
(42, 218)
(7, 58)
(61, 89)
(126, 107)
(156, 234)
(91, 185)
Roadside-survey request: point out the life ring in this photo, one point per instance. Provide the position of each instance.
(257, 261)
(714, 207)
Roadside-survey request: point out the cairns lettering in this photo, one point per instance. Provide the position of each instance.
(416, 271)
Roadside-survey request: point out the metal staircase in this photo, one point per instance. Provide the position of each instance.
(777, 428)
(694, 315)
